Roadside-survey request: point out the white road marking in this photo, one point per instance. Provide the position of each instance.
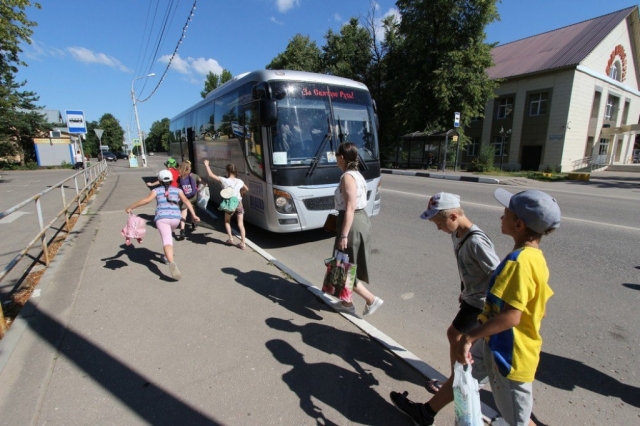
(593, 222)
(12, 217)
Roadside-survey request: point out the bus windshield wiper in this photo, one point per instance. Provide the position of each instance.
(316, 158)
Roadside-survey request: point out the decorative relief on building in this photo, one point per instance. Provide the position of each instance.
(618, 52)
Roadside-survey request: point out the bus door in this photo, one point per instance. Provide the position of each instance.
(254, 154)
(190, 151)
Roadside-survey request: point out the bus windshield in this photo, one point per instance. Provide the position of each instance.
(312, 115)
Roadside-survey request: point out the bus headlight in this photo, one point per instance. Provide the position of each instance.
(284, 202)
(378, 192)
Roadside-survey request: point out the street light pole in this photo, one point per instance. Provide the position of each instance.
(505, 137)
(135, 112)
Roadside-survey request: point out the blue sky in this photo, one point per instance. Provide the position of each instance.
(85, 53)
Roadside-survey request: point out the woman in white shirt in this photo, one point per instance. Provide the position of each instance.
(239, 188)
(354, 226)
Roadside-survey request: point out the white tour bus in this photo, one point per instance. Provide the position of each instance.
(281, 130)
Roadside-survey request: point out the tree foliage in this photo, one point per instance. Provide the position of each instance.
(301, 54)
(158, 138)
(444, 58)
(112, 136)
(214, 80)
(348, 54)
(19, 119)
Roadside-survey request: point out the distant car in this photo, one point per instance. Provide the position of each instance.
(151, 153)
(109, 156)
(122, 156)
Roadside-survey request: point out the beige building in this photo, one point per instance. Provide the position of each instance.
(566, 98)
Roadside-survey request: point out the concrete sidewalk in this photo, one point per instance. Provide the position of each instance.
(112, 339)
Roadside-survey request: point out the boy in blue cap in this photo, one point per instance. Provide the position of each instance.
(505, 348)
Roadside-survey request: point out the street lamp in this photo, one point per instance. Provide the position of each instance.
(135, 111)
(505, 136)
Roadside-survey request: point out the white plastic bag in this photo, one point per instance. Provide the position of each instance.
(466, 397)
(203, 196)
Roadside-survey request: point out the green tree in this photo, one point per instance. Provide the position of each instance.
(444, 58)
(214, 80)
(112, 136)
(348, 54)
(158, 138)
(19, 119)
(301, 54)
(91, 145)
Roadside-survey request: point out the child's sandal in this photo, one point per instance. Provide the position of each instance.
(241, 246)
(229, 242)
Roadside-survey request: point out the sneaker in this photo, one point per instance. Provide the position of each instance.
(412, 409)
(370, 309)
(180, 236)
(193, 226)
(338, 306)
(175, 272)
(165, 260)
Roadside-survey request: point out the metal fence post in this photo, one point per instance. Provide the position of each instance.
(45, 250)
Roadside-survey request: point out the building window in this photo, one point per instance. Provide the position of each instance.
(538, 104)
(473, 147)
(505, 107)
(615, 72)
(476, 119)
(611, 110)
(596, 105)
(603, 148)
(498, 145)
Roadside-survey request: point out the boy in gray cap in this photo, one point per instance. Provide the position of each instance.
(476, 259)
(505, 348)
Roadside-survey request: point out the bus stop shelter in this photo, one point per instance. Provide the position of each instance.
(421, 150)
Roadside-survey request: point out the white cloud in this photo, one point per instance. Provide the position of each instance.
(337, 17)
(285, 5)
(190, 66)
(275, 21)
(38, 50)
(82, 54)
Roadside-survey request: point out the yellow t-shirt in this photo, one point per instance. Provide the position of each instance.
(521, 280)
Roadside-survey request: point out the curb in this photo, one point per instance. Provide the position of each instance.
(440, 176)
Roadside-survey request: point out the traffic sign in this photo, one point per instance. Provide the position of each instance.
(136, 142)
(456, 119)
(75, 122)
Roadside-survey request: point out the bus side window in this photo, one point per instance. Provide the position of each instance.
(252, 139)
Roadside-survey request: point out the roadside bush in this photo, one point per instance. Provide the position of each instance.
(484, 160)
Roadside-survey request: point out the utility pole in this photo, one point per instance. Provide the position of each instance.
(135, 111)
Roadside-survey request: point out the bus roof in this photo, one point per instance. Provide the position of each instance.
(274, 75)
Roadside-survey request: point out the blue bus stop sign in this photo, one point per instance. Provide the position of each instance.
(456, 119)
(75, 122)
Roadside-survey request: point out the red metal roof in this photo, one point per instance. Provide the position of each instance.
(560, 48)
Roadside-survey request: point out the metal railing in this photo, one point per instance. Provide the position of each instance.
(591, 163)
(89, 178)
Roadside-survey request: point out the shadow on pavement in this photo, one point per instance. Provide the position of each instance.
(347, 392)
(565, 373)
(353, 348)
(141, 255)
(150, 402)
(287, 294)
(632, 286)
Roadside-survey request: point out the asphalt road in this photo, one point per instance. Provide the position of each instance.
(588, 372)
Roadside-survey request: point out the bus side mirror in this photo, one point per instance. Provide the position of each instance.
(268, 112)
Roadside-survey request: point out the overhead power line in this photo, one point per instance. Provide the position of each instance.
(175, 51)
